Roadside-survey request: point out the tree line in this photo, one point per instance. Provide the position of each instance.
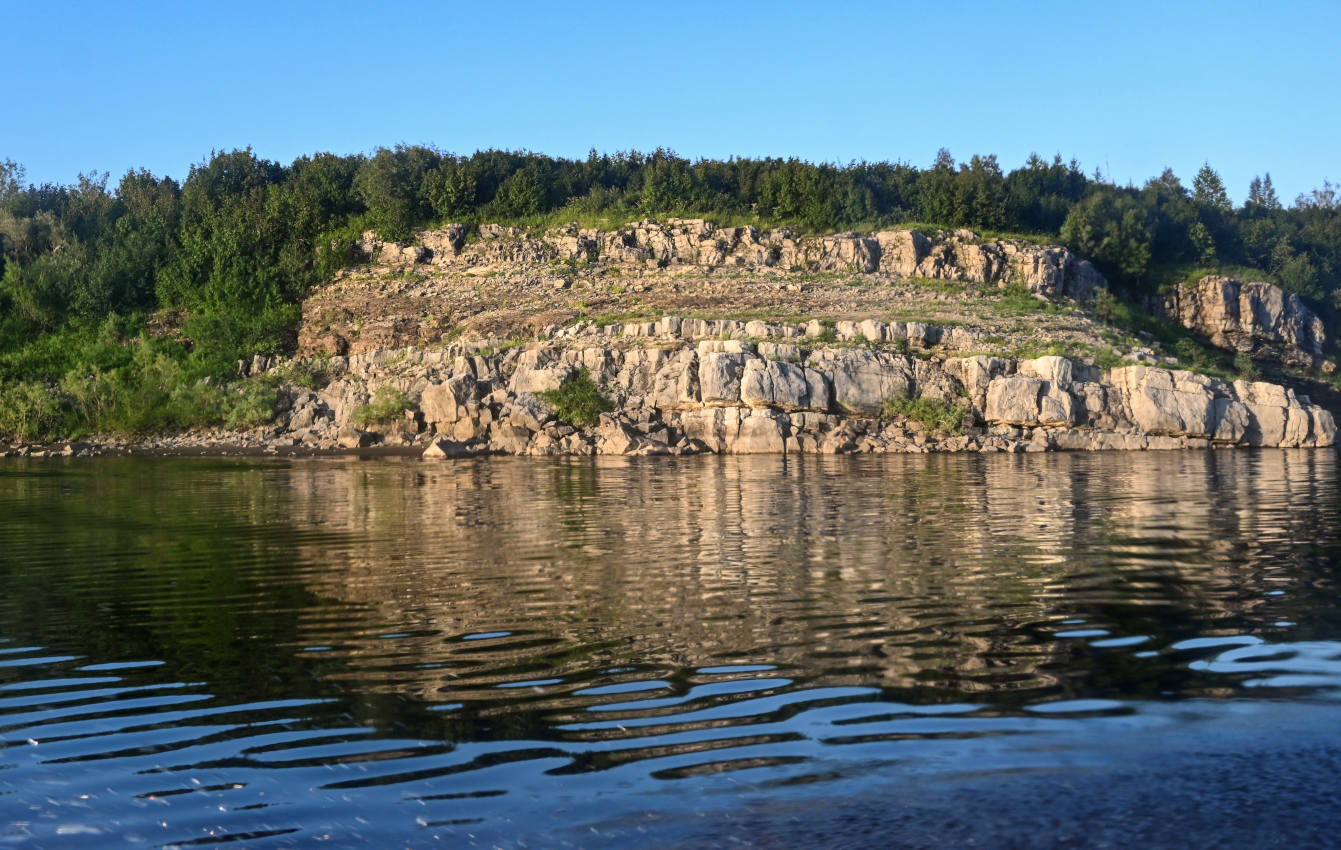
(212, 268)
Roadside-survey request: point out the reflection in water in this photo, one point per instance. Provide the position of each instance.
(403, 649)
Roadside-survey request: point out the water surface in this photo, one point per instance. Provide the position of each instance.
(756, 651)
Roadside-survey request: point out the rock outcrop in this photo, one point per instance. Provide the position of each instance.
(1257, 318)
(697, 244)
(679, 387)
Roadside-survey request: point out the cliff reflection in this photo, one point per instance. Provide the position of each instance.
(939, 576)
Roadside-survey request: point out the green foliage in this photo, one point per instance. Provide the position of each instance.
(1115, 231)
(1209, 190)
(310, 373)
(251, 405)
(388, 404)
(27, 410)
(1016, 299)
(578, 400)
(934, 415)
(1246, 367)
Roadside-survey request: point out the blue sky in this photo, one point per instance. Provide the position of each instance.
(1130, 87)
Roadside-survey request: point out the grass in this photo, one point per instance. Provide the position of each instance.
(311, 373)
(1017, 300)
(1167, 277)
(934, 415)
(387, 405)
(578, 400)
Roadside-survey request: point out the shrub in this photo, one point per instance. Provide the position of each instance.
(1246, 367)
(387, 405)
(934, 415)
(27, 411)
(252, 405)
(578, 400)
(310, 373)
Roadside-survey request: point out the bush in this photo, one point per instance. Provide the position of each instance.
(387, 405)
(27, 411)
(1246, 367)
(310, 373)
(578, 400)
(252, 405)
(934, 415)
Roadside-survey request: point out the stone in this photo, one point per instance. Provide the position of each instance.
(1252, 317)
(508, 439)
(530, 413)
(772, 383)
(441, 448)
(862, 378)
(615, 438)
(444, 403)
(534, 380)
(355, 438)
(1231, 420)
(1014, 400)
(719, 377)
(761, 432)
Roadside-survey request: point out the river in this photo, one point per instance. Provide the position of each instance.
(1060, 650)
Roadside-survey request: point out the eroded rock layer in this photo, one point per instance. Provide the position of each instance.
(957, 255)
(677, 386)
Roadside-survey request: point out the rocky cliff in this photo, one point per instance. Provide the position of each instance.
(1257, 318)
(697, 244)
(684, 386)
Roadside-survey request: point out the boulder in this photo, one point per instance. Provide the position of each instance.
(1252, 317)
(719, 377)
(355, 438)
(1014, 400)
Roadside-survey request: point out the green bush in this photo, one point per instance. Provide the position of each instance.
(251, 405)
(27, 411)
(1246, 367)
(578, 400)
(934, 415)
(310, 373)
(387, 405)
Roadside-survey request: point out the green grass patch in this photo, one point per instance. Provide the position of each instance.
(578, 400)
(934, 415)
(387, 405)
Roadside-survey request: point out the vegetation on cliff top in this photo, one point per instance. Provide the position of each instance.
(127, 306)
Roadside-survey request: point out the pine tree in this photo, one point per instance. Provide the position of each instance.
(1262, 194)
(1209, 190)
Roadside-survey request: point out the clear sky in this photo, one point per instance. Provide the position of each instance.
(1130, 87)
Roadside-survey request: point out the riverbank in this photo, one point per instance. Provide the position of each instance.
(686, 386)
(682, 338)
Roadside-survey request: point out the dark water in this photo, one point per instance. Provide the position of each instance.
(1059, 650)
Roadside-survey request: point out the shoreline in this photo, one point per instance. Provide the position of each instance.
(687, 386)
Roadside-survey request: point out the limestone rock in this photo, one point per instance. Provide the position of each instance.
(1014, 400)
(719, 377)
(355, 438)
(1253, 317)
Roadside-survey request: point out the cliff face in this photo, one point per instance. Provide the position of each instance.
(507, 283)
(698, 244)
(680, 388)
(1257, 318)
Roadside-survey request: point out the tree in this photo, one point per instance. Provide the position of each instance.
(1208, 190)
(1113, 229)
(390, 184)
(1261, 194)
(11, 181)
